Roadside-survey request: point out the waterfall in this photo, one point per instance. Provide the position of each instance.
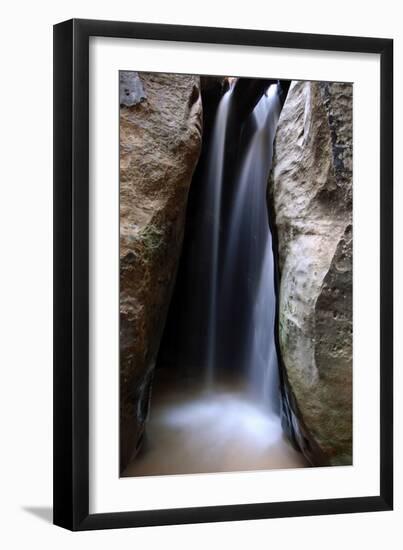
(203, 418)
(211, 228)
(241, 298)
(249, 254)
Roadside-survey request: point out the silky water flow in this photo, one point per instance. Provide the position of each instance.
(226, 422)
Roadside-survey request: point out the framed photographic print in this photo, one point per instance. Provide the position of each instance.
(223, 319)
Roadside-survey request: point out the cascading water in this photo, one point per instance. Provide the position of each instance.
(211, 227)
(230, 311)
(237, 244)
(248, 254)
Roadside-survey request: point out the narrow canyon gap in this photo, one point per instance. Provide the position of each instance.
(213, 371)
(215, 402)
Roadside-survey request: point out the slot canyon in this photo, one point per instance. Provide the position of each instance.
(235, 274)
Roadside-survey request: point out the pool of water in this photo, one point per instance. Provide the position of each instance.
(191, 430)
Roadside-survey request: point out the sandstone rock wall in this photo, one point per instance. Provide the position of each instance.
(160, 140)
(310, 194)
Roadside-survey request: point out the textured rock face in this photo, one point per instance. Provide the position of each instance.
(160, 140)
(310, 191)
(131, 89)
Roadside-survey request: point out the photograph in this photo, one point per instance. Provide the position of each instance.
(236, 269)
(200, 224)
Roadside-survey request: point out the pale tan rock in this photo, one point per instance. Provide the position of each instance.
(160, 140)
(310, 193)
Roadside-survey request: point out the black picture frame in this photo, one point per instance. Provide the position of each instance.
(71, 274)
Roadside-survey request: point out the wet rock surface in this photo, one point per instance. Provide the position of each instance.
(310, 198)
(160, 140)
